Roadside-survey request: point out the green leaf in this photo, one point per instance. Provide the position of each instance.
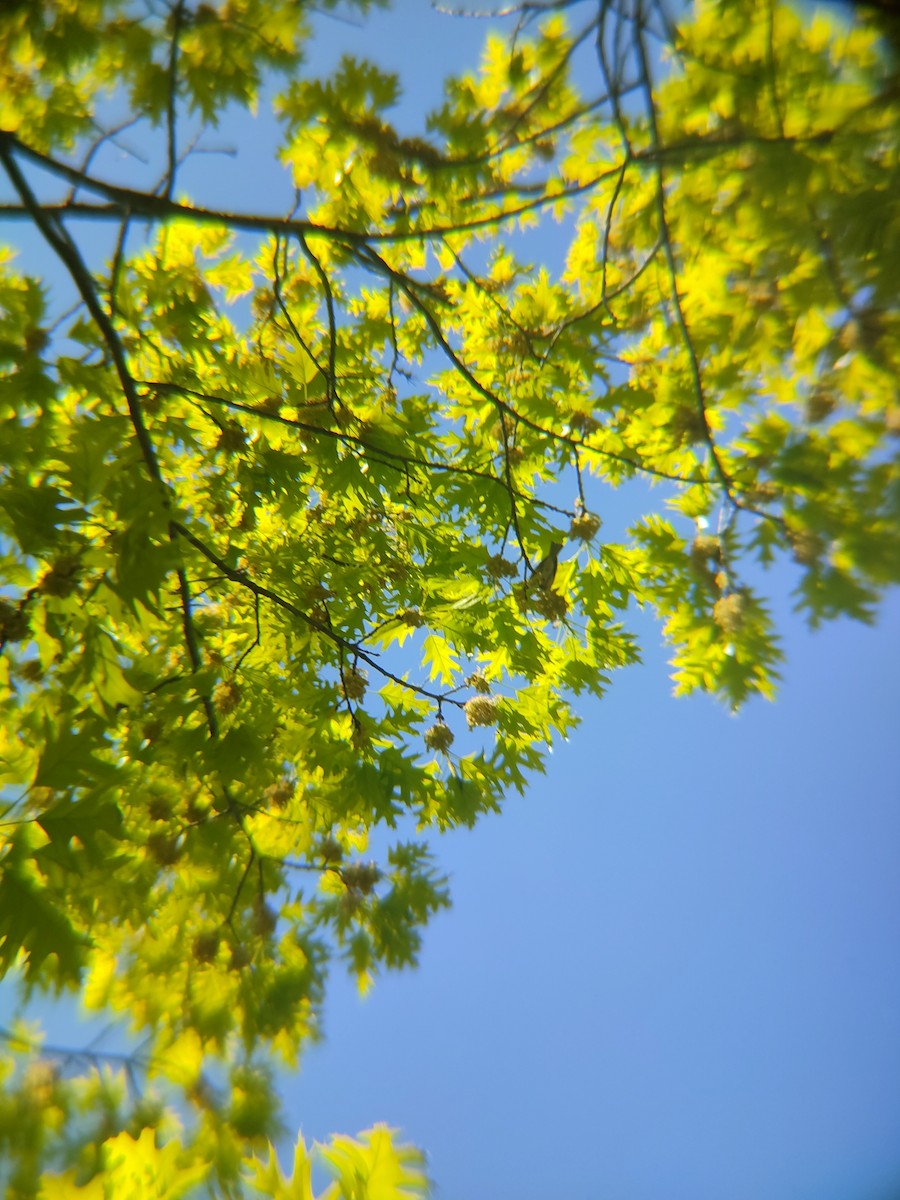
(33, 925)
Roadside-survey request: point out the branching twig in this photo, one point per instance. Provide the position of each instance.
(176, 17)
(244, 580)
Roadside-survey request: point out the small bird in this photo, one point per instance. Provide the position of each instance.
(545, 572)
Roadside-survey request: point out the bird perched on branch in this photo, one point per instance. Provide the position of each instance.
(545, 572)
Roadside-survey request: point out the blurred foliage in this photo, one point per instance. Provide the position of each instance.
(282, 496)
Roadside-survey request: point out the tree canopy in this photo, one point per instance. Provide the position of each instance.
(302, 521)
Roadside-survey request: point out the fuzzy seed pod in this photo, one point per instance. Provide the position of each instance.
(159, 808)
(583, 423)
(232, 438)
(278, 794)
(398, 570)
(206, 946)
(62, 578)
(499, 567)
(354, 682)
(350, 904)
(705, 547)
(806, 546)
(151, 730)
(728, 612)
(820, 404)
(330, 850)
(316, 593)
(687, 426)
(195, 813)
(14, 625)
(240, 958)
(584, 526)
(36, 340)
(481, 710)
(764, 492)
(360, 877)
(39, 1084)
(551, 605)
(226, 696)
(164, 849)
(439, 737)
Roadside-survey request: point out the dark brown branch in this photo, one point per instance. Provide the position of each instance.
(331, 377)
(153, 207)
(176, 17)
(379, 454)
(277, 274)
(503, 406)
(59, 240)
(243, 579)
(728, 484)
(104, 136)
(539, 91)
(668, 250)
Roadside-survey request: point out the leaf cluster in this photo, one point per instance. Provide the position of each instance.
(279, 491)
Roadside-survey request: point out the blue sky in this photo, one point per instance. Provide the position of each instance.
(673, 968)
